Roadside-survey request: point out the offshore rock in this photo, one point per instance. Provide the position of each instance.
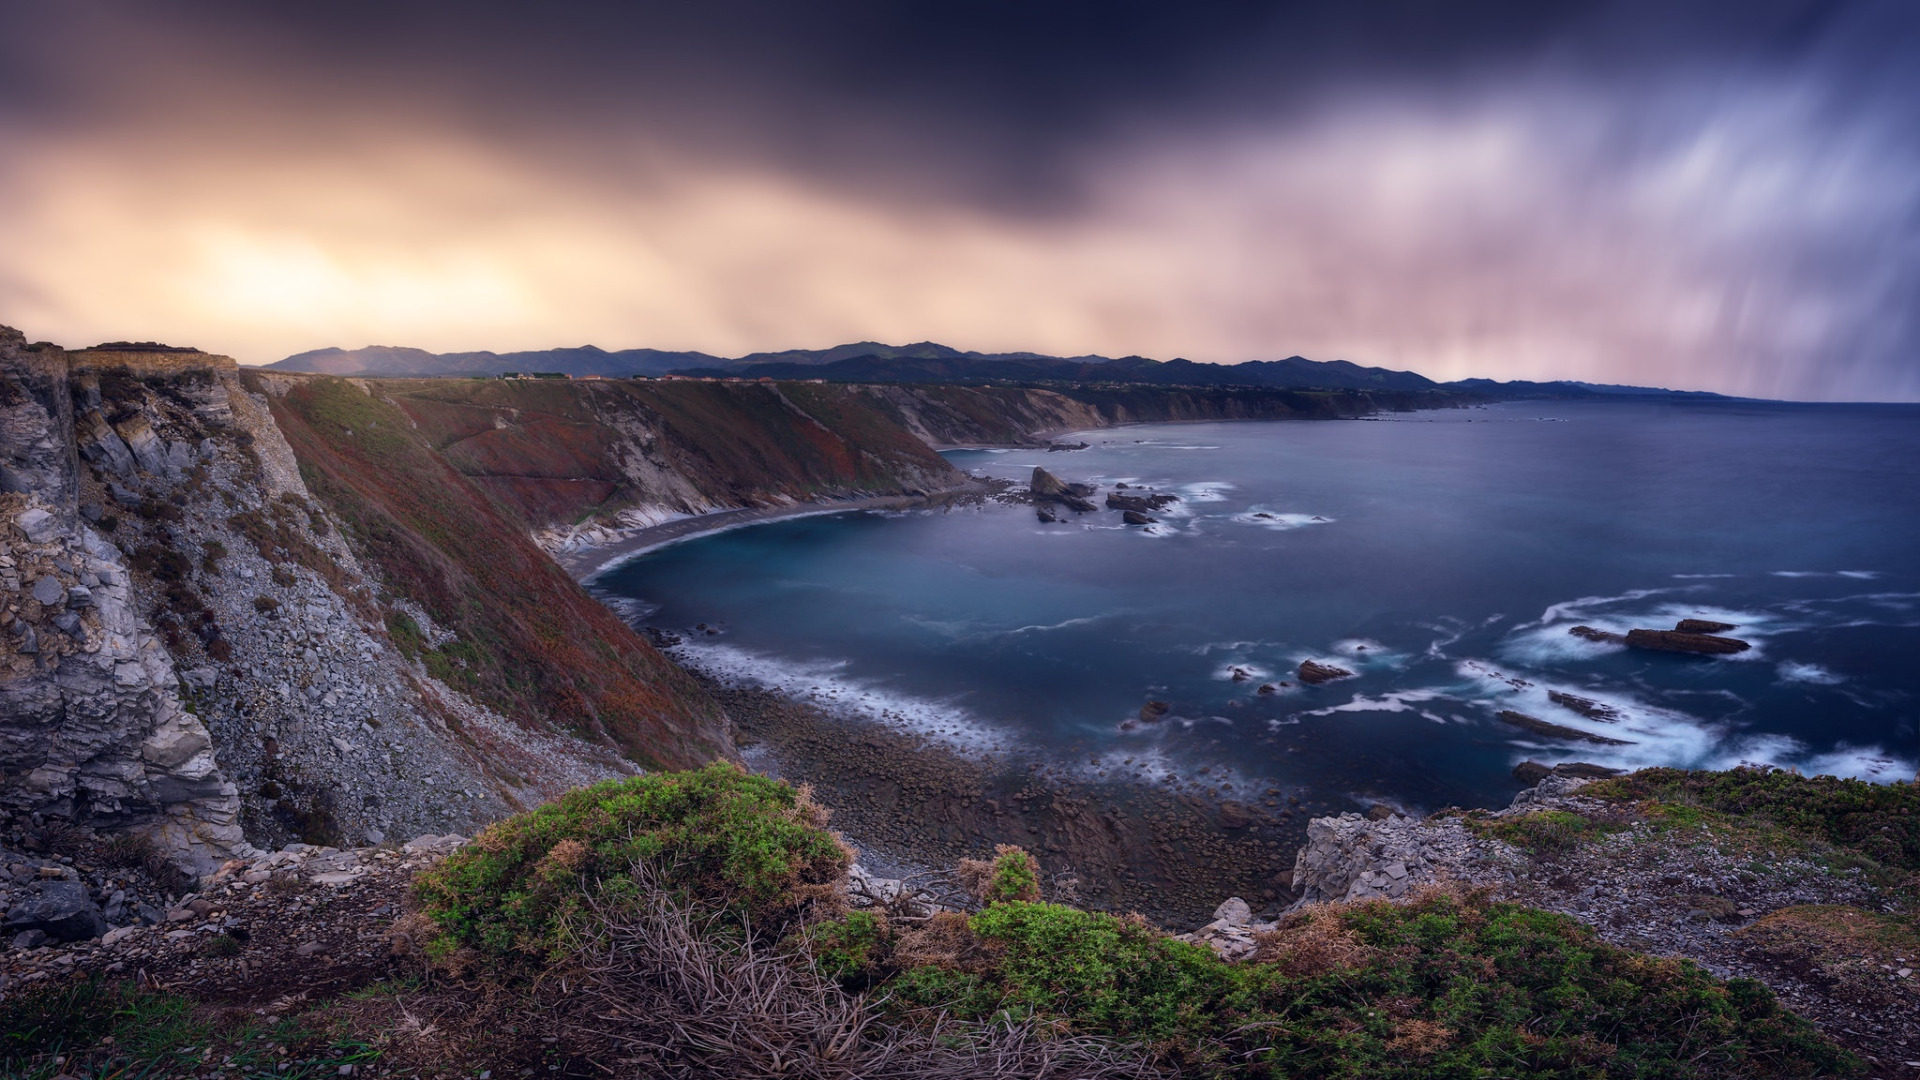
(1702, 626)
(1677, 641)
(1141, 503)
(1541, 727)
(1135, 517)
(1313, 673)
(1605, 637)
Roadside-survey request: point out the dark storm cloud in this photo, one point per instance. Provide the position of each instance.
(1719, 196)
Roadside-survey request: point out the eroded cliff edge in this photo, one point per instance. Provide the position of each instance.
(198, 648)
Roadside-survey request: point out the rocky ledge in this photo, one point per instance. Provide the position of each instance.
(1806, 919)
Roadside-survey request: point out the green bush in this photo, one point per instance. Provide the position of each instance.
(717, 836)
(1015, 876)
(849, 948)
(1881, 821)
(1441, 987)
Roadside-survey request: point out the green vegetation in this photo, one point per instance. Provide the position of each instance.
(1447, 985)
(1543, 832)
(92, 1028)
(525, 638)
(1880, 821)
(1444, 986)
(718, 837)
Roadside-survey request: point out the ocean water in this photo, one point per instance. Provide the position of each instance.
(1441, 556)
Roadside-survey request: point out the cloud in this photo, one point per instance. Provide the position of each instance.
(1459, 208)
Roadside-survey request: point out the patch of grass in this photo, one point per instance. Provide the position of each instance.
(1543, 832)
(1854, 954)
(1879, 821)
(95, 1029)
(752, 847)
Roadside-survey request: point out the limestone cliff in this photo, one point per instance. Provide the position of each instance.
(192, 646)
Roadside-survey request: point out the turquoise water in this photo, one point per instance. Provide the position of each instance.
(1440, 556)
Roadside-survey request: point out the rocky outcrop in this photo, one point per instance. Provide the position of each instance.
(1048, 488)
(192, 649)
(1143, 504)
(1314, 673)
(1702, 626)
(1554, 731)
(1680, 642)
(92, 726)
(1353, 858)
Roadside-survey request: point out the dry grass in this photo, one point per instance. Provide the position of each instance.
(668, 993)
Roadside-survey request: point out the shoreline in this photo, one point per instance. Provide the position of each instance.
(589, 563)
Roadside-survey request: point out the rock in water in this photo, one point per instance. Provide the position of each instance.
(1045, 514)
(1676, 641)
(1135, 517)
(1541, 727)
(1531, 772)
(1702, 626)
(1142, 503)
(1045, 485)
(1313, 673)
(1593, 634)
(1586, 707)
(1154, 710)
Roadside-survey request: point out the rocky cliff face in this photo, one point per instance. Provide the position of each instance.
(1017, 416)
(578, 462)
(192, 647)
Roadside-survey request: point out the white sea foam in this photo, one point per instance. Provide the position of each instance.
(1396, 701)
(1809, 673)
(1859, 575)
(826, 683)
(1205, 491)
(1279, 522)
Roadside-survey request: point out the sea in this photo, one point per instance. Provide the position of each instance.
(1442, 557)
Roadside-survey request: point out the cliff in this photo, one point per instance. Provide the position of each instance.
(215, 641)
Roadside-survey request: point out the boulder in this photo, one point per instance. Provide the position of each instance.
(40, 526)
(60, 908)
(1233, 912)
(1594, 634)
(1046, 515)
(1135, 517)
(1702, 626)
(1154, 710)
(1313, 673)
(1676, 641)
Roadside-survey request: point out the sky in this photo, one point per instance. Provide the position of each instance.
(1720, 197)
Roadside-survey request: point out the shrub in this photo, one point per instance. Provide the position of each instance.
(1012, 875)
(265, 604)
(746, 845)
(1881, 821)
(1442, 986)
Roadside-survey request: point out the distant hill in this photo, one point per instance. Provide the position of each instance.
(386, 360)
(931, 362)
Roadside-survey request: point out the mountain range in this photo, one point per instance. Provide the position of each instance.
(926, 362)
